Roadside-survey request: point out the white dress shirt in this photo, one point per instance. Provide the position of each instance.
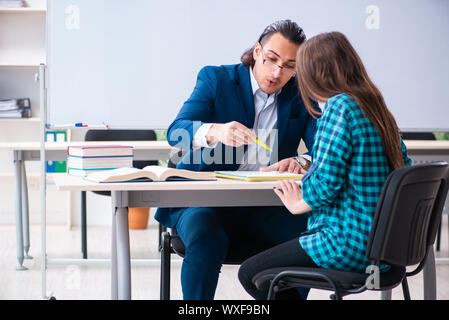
(265, 125)
(265, 111)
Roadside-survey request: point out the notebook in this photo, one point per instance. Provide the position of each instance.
(256, 175)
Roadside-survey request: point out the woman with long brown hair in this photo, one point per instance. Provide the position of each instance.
(357, 145)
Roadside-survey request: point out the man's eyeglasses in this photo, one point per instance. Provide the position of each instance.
(273, 64)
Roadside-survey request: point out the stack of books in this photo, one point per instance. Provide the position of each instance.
(84, 160)
(15, 108)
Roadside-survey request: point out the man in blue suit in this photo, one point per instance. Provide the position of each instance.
(229, 107)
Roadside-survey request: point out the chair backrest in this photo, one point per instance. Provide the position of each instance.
(418, 136)
(124, 135)
(408, 214)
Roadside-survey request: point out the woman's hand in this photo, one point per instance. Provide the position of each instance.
(291, 196)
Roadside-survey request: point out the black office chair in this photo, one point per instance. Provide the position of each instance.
(172, 243)
(425, 136)
(418, 136)
(112, 135)
(172, 163)
(403, 231)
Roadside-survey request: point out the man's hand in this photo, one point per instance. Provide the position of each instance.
(232, 134)
(286, 165)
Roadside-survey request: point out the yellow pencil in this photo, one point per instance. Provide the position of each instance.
(262, 144)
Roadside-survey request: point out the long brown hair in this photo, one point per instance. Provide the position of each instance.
(327, 65)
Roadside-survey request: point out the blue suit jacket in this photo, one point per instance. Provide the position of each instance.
(223, 94)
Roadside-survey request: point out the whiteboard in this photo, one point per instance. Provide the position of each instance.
(132, 63)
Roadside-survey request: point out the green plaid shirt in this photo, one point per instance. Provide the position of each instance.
(343, 186)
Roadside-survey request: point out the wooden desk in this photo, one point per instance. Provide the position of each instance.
(220, 193)
(160, 195)
(57, 151)
(223, 193)
(436, 145)
(427, 147)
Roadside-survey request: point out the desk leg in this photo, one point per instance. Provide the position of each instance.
(18, 199)
(385, 295)
(123, 254)
(114, 278)
(430, 278)
(83, 224)
(25, 213)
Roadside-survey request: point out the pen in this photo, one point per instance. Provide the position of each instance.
(72, 125)
(262, 144)
(104, 126)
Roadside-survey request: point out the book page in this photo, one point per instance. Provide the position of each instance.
(106, 175)
(155, 173)
(158, 170)
(165, 173)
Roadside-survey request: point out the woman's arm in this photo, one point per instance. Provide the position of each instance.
(331, 156)
(332, 153)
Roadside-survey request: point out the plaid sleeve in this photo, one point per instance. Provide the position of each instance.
(332, 152)
(407, 160)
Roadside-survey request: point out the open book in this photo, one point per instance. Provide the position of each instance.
(257, 175)
(149, 173)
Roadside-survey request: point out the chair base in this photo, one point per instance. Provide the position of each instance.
(340, 282)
